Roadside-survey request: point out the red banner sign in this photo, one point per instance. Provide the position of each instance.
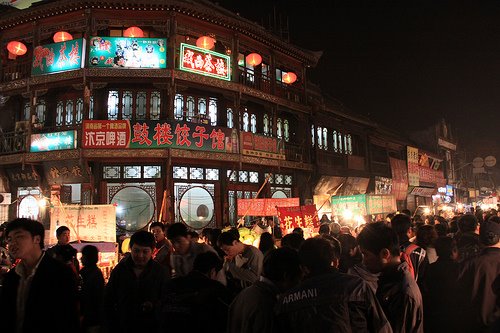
(205, 62)
(264, 207)
(298, 217)
(106, 134)
(399, 178)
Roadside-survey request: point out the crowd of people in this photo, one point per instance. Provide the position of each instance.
(402, 274)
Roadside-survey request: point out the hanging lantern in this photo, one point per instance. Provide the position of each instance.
(289, 77)
(205, 42)
(62, 36)
(133, 32)
(254, 59)
(16, 48)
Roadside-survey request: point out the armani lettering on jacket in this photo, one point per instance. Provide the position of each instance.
(300, 295)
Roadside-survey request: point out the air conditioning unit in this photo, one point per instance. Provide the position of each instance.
(5, 198)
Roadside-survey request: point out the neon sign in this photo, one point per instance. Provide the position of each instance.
(58, 57)
(53, 141)
(205, 62)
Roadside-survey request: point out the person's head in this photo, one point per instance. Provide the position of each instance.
(141, 245)
(266, 242)
(177, 233)
(230, 244)
(467, 223)
(207, 263)
(489, 233)
(446, 248)
(401, 224)
(90, 255)
(406, 212)
(426, 236)
(205, 235)
(194, 236)
(158, 231)
(298, 231)
(441, 229)
(379, 244)
(453, 226)
(324, 229)
(282, 266)
(348, 245)
(25, 238)
(293, 241)
(63, 235)
(335, 229)
(317, 255)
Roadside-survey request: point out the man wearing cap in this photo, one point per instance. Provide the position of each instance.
(480, 306)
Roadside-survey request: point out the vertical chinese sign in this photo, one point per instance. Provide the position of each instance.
(128, 52)
(298, 217)
(413, 167)
(205, 62)
(399, 178)
(58, 57)
(92, 223)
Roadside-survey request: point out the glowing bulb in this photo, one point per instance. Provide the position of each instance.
(347, 214)
(427, 211)
(42, 202)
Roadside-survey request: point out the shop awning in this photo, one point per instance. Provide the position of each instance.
(329, 185)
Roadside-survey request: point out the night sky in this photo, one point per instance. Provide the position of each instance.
(405, 64)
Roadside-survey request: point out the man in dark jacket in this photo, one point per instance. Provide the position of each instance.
(479, 305)
(327, 300)
(253, 309)
(197, 299)
(135, 290)
(40, 293)
(397, 291)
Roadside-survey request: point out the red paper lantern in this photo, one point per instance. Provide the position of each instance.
(62, 36)
(133, 32)
(254, 59)
(289, 77)
(205, 42)
(17, 48)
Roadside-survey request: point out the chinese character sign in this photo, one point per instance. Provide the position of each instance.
(91, 223)
(53, 141)
(155, 134)
(413, 168)
(205, 62)
(58, 57)
(356, 204)
(128, 52)
(298, 217)
(264, 207)
(106, 134)
(380, 203)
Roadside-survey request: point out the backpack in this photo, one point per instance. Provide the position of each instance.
(405, 256)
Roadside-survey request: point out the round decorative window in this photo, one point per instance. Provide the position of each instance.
(134, 208)
(28, 207)
(279, 195)
(196, 207)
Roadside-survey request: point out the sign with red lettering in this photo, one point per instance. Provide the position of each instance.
(264, 207)
(260, 146)
(156, 134)
(205, 62)
(298, 217)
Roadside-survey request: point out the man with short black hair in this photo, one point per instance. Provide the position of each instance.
(253, 309)
(135, 292)
(63, 251)
(327, 300)
(480, 305)
(397, 291)
(40, 293)
(163, 248)
(467, 237)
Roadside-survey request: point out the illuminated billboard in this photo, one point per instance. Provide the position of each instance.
(58, 57)
(205, 62)
(128, 52)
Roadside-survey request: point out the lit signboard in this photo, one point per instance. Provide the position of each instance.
(53, 141)
(58, 57)
(205, 62)
(128, 52)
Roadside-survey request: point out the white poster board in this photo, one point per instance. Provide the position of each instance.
(92, 223)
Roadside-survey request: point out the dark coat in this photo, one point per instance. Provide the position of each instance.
(400, 297)
(330, 302)
(91, 296)
(252, 311)
(52, 304)
(131, 303)
(195, 303)
(479, 302)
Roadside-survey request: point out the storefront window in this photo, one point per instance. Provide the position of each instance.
(28, 208)
(196, 207)
(134, 208)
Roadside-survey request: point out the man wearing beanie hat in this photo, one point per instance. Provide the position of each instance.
(476, 279)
